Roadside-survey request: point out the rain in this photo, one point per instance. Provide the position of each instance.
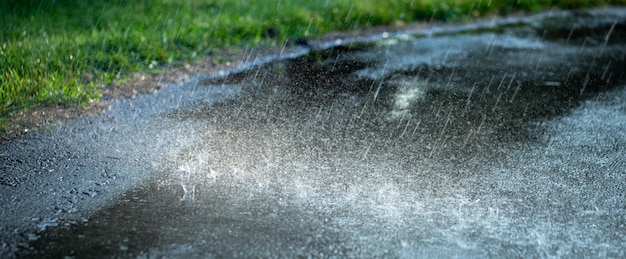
(499, 138)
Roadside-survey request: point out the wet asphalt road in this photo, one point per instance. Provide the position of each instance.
(502, 139)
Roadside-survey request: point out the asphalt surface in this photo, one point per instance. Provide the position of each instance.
(500, 139)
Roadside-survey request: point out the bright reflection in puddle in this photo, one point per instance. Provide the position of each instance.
(407, 94)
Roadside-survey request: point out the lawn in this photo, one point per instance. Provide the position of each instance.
(66, 51)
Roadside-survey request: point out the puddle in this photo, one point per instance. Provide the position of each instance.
(473, 145)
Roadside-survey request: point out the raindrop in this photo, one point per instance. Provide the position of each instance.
(308, 27)
(330, 110)
(467, 138)
(491, 45)
(366, 152)
(608, 79)
(571, 70)
(445, 125)
(180, 99)
(283, 48)
(511, 82)
(405, 127)
(471, 10)
(362, 111)
(587, 79)
(583, 47)
(539, 61)
(445, 57)
(549, 146)
(450, 78)
(256, 72)
(245, 56)
(606, 70)
(416, 127)
(432, 17)
(380, 85)
(571, 31)
(318, 113)
(482, 122)
(348, 15)
(495, 106)
(332, 68)
(482, 95)
(437, 114)
(469, 97)
(608, 34)
(263, 79)
(501, 81)
(225, 79)
(519, 85)
(239, 110)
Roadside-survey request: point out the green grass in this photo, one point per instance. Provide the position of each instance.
(66, 51)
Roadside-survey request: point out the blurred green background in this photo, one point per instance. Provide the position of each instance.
(66, 51)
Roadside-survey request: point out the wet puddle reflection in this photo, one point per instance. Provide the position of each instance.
(420, 146)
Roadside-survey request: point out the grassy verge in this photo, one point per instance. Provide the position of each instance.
(66, 51)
